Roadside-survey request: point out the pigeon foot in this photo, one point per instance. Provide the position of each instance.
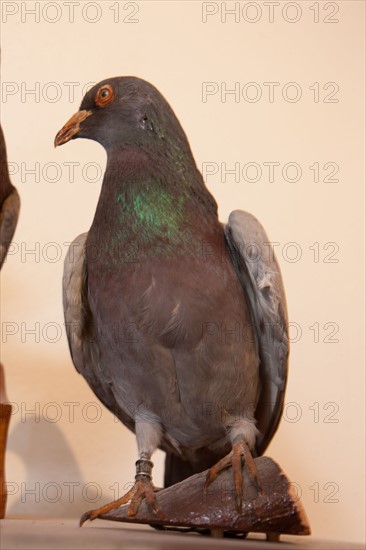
(143, 488)
(240, 452)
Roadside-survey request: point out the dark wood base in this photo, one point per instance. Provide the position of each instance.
(186, 505)
(5, 412)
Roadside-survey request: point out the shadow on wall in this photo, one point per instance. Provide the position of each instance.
(53, 483)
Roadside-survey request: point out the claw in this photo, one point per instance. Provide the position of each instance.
(249, 461)
(142, 489)
(239, 452)
(236, 461)
(213, 472)
(84, 518)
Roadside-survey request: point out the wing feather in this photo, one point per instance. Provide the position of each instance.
(81, 332)
(74, 301)
(258, 271)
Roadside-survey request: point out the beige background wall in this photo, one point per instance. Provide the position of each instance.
(66, 452)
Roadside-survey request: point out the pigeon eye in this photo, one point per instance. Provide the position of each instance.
(105, 95)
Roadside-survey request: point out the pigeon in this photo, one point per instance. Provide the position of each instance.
(177, 322)
(9, 203)
(9, 212)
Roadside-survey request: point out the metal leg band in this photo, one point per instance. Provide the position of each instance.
(143, 469)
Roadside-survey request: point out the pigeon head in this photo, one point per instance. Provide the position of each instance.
(124, 110)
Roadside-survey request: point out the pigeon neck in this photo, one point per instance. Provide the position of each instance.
(150, 205)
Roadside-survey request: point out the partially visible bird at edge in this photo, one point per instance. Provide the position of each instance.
(9, 203)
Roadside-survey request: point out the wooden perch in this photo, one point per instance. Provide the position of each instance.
(5, 412)
(276, 511)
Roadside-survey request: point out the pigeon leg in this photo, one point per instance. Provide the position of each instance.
(143, 488)
(240, 452)
(148, 438)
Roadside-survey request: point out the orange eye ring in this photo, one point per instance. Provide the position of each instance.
(105, 95)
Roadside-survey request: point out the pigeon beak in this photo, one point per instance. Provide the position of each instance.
(71, 128)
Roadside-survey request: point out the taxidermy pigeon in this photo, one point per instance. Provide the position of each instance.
(177, 322)
(9, 203)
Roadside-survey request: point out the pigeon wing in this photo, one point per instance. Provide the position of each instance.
(80, 329)
(258, 271)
